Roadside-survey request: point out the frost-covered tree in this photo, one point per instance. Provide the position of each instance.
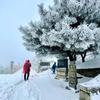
(65, 24)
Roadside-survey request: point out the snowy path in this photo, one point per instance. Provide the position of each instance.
(39, 87)
(52, 89)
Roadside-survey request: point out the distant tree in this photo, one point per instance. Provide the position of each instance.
(66, 23)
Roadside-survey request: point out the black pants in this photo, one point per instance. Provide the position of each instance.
(53, 69)
(26, 76)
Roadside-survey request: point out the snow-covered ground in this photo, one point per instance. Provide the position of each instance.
(43, 86)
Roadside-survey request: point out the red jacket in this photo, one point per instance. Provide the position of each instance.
(26, 67)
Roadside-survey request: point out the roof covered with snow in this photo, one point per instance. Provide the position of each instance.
(91, 62)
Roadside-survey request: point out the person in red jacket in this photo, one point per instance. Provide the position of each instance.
(26, 69)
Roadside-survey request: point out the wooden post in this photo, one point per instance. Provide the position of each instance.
(11, 66)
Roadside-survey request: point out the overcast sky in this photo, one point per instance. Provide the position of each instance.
(14, 13)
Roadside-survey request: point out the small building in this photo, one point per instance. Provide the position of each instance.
(44, 66)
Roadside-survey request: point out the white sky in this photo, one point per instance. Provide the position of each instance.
(14, 13)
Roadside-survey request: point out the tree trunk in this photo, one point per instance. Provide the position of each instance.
(83, 59)
(72, 71)
(83, 55)
(72, 75)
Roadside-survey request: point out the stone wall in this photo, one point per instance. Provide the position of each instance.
(61, 73)
(84, 93)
